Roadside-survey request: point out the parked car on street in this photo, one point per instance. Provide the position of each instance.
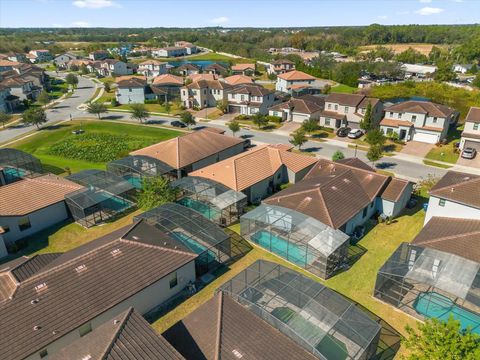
(469, 153)
(178, 124)
(355, 134)
(343, 131)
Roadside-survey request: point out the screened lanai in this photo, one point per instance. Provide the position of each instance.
(316, 317)
(135, 167)
(213, 200)
(105, 196)
(16, 164)
(425, 282)
(215, 246)
(296, 237)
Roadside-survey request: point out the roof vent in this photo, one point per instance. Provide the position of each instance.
(87, 357)
(237, 354)
(54, 332)
(164, 243)
(41, 287)
(115, 322)
(81, 268)
(452, 189)
(34, 301)
(37, 327)
(346, 181)
(115, 252)
(134, 237)
(334, 188)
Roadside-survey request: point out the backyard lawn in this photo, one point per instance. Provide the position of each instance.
(57, 148)
(342, 88)
(447, 153)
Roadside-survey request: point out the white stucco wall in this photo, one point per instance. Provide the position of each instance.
(450, 209)
(130, 95)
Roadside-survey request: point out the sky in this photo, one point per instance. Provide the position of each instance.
(234, 13)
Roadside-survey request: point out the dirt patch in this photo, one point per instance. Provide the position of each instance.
(399, 48)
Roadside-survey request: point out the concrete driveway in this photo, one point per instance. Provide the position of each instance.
(289, 127)
(475, 163)
(417, 148)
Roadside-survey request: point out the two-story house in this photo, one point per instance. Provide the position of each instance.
(189, 47)
(204, 93)
(152, 68)
(131, 90)
(299, 109)
(17, 57)
(166, 87)
(281, 66)
(349, 110)
(188, 69)
(109, 67)
(41, 55)
(8, 102)
(22, 88)
(99, 55)
(62, 60)
(250, 99)
(288, 79)
(471, 131)
(172, 51)
(422, 121)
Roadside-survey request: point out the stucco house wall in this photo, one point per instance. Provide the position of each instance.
(130, 95)
(450, 209)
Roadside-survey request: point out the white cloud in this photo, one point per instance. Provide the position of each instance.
(80, 24)
(220, 20)
(429, 11)
(425, 1)
(95, 4)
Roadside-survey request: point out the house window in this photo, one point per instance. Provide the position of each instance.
(399, 115)
(129, 89)
(85, 329)
(389, 131)
(391, 114)
(173, 280)
(327, 121)
(24, 223)
(242, 97)
(371, 205)
(475, 126)
(329, 106)
(346, 109)
(364, 214)
(336, 107)
(435, 120)
(414, 118)
(43, 353)
(441, 202)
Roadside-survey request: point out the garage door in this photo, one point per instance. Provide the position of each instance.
(472, 144)
(234, 109)
(426, 138)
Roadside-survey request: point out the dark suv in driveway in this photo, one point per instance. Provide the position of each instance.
(343, 131)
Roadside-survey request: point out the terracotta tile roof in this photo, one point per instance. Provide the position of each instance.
(224, 329)
(395, 123)
(238, 79)
(250, 89)
(473, 114)
(459, 187)
(421, 107)
(198, 77)
(127, 336)
(70, 298)
(364, 103)
(243, 67)
(8, 63)
(153, 62)
(470, 135)
(168, 79)
(189, 148)
(333, 115)
(430, 128)
(395, 189)
(133, 82)
(331, 192)
(215, 66)
(241, 171)
(455, 236)
(296, 75)
(211, 84)
(188, 66)
(298, 105)
(345, 99)
(282, 61)
(29, 195)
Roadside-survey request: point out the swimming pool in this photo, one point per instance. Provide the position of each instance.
(435, 305)
(195, 246)
(292, 252)
(114, 203)
(202, 208)
(13, 174)
(136, 181)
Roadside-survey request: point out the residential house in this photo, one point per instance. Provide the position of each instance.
(40, 55)
(422, 121)
(7, 65)
(8, 102)
(204, 93)
(16, 57)
(299, 109)
(62, 60)
(471, 130)
(131, 90)
(99, 55)
(198, 77)
(188, 69)
(238, 79)
(293, 78)
(418, 71)
(64, 297)
(78, 63)
(215, 69)
(193, 151)
(250, 99)
(462, 68)
(152, 68)
(281, 66)
(455, 195)
(243, 69)
(345, 194)
(189, 47)
(22, 88)
(348, 110)
(172, 51)
(110, 67)
(167, 86)
(260, 171)
(33, 204)
(34, 73)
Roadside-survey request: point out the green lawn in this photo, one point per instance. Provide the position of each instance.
(436, 164)
(449, 152)
(342, 88)
(174, 109)
(40, 144)
(219, 57)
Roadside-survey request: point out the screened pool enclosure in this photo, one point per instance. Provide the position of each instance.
(314, 316)
(215, 246)
(16, 164)
(135, 167)
(298, 238)
(429, 283)
(104, 196)
(213, 200)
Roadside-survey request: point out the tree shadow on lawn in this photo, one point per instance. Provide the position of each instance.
(112, 117)
(54, 127)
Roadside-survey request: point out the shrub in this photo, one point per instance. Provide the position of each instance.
(242, 117)
(274, 119)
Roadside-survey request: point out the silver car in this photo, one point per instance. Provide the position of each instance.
(469, 153)
(355, 133)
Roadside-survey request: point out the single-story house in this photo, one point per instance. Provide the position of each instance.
(193, 151)
(64, 297)
(471, 131)
(243, 69)
(461, 68)
(238, 79)
(286, 80)
(33, 204)
(259, 172)
(344, 194)
(456, 196)
(131, 90)
(299, 109)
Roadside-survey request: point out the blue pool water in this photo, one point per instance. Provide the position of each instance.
(193, 245)
(202, 208)
(412, 98)
(134, 180)
(13, 174)
(113, 202)
(201, 63)
(435, 305)
(290, 251)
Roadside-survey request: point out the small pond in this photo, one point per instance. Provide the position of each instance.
(200, 63)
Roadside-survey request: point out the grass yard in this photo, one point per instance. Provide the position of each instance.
(436, 164)
(174, 109)
(219, 57)
(449, 152)
(342, 88)
(57, 148)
